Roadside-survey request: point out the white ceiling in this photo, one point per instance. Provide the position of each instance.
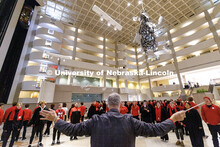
(80, 14)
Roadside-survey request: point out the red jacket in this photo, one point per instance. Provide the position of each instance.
(211, 115)
(1, 115)
(83, 110)
(7, 112)
(123, 110)
(27, 114)
(19, 116)
(135, 110)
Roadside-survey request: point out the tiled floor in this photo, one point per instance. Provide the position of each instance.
(140, 141)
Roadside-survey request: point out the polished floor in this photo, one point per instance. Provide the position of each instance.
(140, 141)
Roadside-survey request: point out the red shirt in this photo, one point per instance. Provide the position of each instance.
(7, 112)
(73, 110)
(83, 110)
(27, 114)
(135, 110)
(1, 115)
(107, 108)
(211, 115)
(60, 113)
(123, 110)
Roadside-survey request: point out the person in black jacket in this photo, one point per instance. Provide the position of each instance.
(113, 128)
(38, 124)
(13, 124)
(161, 115)
(72, 106)
(146, 114)
(74, 117)
(93, 109)
(47, 131)
(152, 108)
(193, 123)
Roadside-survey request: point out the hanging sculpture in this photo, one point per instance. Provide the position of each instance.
(147, 34)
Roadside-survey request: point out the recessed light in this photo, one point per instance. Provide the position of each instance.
(109, 24)
(128, 4)
(140, 2)
(101, 18)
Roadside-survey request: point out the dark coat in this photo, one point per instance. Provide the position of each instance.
(193, 120)
(35, 120)
(92, 111)
(75, 117)
(146, 116)
(152, 112)
(113, 129)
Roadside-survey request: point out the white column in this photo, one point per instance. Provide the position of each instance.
(74, 53)
(148, 77)
(116, 59)
(138, 70)
(104, 60)
(212, 28)
(175, 62)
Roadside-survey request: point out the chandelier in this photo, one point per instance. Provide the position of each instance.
(147, 34)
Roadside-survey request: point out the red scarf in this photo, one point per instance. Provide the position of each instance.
(158, 114)
(171, 113)
(12, 115)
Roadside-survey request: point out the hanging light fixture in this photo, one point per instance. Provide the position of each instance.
(105, 16)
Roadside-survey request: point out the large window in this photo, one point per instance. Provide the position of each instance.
(6, 11)
(79, 97)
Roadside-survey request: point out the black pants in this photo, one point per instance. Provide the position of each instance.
(6, 134)
(179, 133)
(36, 129)
(47, 131)
(214, 130)
(196, 138)
(82, 118)
(25, 128)
(136, 117)
(65, 117)
(55, 131)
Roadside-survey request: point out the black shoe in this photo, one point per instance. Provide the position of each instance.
(71, 138)
(24, 138)
(53, 143)
(75, 138)
(40, 145)
(58, 142)
(29, 146)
